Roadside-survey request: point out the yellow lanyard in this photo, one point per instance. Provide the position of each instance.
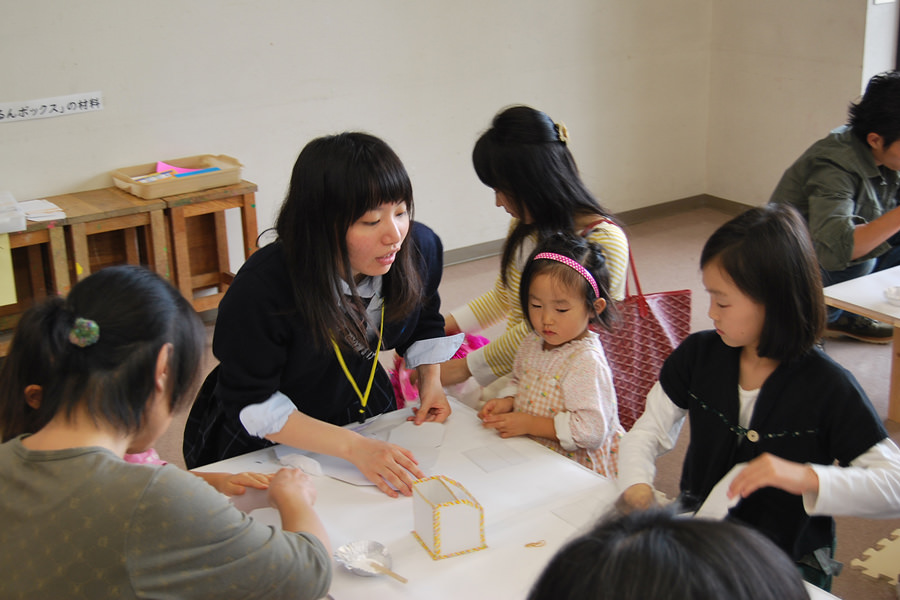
(363, 398)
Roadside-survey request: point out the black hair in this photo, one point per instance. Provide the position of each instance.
(524, 155)
(136, 313)
(656, 554)
(879, 110)
(33, 354)
(588, 255)
(335, 181)
(768, 254)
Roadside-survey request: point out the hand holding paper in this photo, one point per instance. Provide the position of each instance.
(768, 470)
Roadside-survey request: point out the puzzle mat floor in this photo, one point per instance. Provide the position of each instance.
(883, 560)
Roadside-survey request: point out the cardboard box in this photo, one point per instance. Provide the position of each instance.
(228, 172)
(448, 520)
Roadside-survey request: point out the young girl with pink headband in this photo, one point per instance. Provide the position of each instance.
(561, 393)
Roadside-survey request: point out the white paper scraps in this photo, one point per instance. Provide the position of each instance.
(494, 456)
(412, 436)
(331, 466)
(307, 464)
(718, 503)
(41, 210)
(422, 440)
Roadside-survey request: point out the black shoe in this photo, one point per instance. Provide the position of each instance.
(860, 328)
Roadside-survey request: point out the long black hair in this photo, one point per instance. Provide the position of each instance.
(335, 181)
(526, 156)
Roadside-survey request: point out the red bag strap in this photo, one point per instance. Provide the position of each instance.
(642, 303)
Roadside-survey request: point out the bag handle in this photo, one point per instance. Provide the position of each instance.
(643, 307)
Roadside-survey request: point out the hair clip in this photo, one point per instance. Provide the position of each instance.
(84, 332)
(561, 132)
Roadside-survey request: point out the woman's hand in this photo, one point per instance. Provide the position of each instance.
(636, 497)
(433, 404)
(767, 470)
(388, 466)
(291, 485)
(235, 484)
(292, 494)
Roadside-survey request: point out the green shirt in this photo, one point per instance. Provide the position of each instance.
(836, 185)
(82, 523)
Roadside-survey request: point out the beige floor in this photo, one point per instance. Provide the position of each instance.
(667, 251)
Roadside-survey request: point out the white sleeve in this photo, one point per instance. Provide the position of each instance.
(869, 487)
(653, 434)
(267, 417)
(564, 431)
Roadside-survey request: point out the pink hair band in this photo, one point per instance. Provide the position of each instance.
(571, 263)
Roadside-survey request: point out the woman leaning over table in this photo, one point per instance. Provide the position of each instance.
(300, 330)
(525, 158)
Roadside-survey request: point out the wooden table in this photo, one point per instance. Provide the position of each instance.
(865, 296)
(200, 216)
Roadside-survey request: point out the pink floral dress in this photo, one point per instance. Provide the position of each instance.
(571, 384)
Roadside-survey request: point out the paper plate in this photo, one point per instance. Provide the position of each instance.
(357, 557)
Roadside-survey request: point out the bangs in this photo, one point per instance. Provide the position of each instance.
(387, 184)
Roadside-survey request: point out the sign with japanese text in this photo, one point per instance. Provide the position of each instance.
(44, 108)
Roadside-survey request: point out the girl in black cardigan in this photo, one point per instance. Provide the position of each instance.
(759, 393)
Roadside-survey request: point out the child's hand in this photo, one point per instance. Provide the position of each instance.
(496, 406)
(509, 424)
(235, 484)
(767, 470)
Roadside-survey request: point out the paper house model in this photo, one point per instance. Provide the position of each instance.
(448, 520)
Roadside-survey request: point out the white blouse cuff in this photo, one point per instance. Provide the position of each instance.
(433, 351)
(479, 368)
(564, 430)
(267, 417)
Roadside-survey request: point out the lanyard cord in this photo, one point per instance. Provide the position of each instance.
(363, 398)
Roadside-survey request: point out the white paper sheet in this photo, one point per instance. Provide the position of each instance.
(495, 456)
(718, 503)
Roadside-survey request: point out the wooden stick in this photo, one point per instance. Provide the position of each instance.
(384, 570)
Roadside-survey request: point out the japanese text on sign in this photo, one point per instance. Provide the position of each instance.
(44, 108)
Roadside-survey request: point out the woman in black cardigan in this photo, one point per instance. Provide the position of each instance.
(300, 329)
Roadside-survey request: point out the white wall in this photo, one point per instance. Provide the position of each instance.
(257, 79)
(664, 98)
(783, 73)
